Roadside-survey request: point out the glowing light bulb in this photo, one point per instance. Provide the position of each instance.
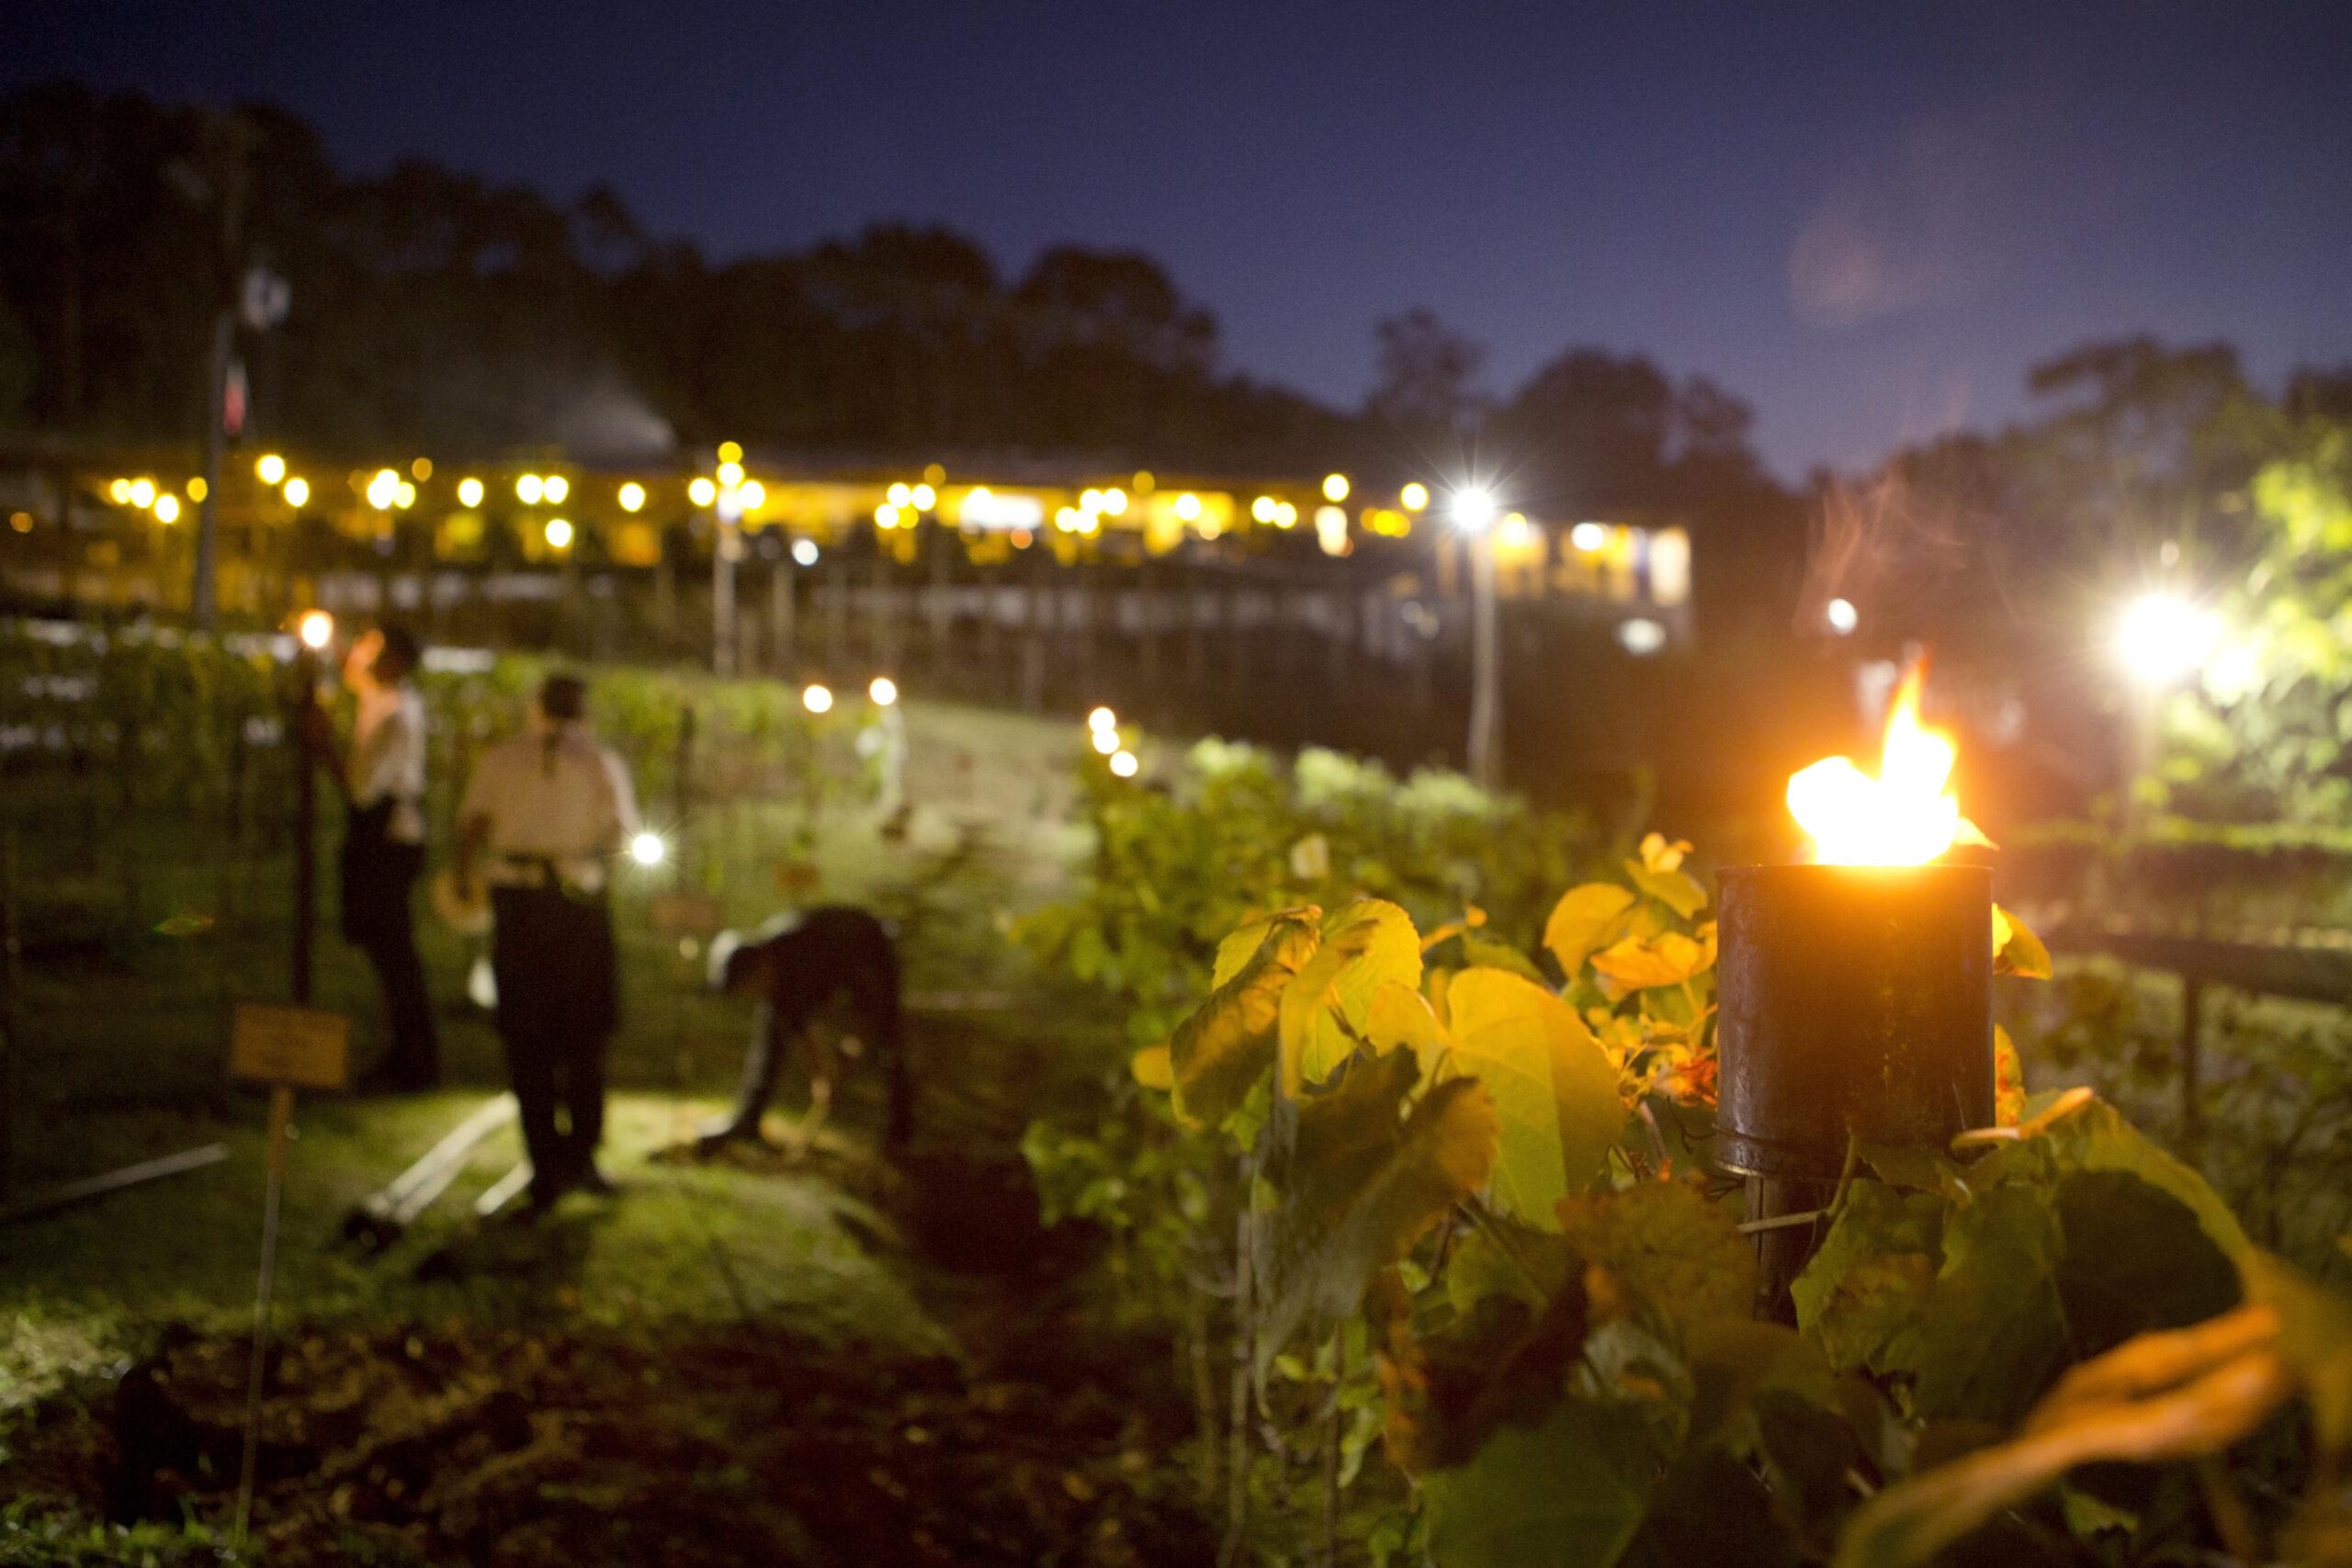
(923, 497)
(1263, 509)
(529, 487)
(701, 491)
(731, 474)
(1335, 487)
(316, 629)
(899, 495)
(1414, 497)
(1101, 718)
(883, 690)
(555, 488)
(1114, 502)
(632, 497)
(1473, 508)
(647, 849)
(270, 469)
(167, 508)
(753, 493)
(119, 492)
(1105, 741)
(730, 451)
(886, 515)
(1188, 507)
(1587, 536)
(817, 699)
(297, 493)
(804, 552)
(197, 488)
(469, 492)
(1841, 616)
(559, 533)
(142, 493)
(1123, 764)
(2161, 637)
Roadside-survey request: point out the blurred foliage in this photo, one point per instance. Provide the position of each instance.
(1438, 1196)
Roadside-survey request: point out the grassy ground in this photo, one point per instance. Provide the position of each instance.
(132, 958)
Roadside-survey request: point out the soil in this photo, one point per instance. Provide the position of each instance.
(1048, 1439)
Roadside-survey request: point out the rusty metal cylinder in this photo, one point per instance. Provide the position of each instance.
(1855, 1000)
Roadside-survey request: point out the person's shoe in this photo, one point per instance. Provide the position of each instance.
(721, 1130)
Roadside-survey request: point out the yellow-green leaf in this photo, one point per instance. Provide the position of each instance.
(1668, 960)
(1241, 945)
(1152, 1067)
(1672, 887)
(1229, 1040)
(1585, 920)
(2016, 950)
(1365, 945)
(1553, 1085)
(1399, 1017)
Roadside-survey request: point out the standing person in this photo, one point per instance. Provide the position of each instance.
(382, 780)
(544, 816)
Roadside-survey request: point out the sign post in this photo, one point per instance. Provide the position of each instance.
(287, 1048)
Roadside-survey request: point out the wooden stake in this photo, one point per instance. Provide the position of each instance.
(281, 1118)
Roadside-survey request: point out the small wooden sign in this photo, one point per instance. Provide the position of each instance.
(303, 1047)
(689, 914)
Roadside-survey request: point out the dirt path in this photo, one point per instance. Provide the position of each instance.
(1044, 1439)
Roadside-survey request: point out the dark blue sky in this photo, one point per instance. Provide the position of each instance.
(1866, 220)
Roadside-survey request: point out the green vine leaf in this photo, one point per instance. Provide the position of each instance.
(1361, 1186)
(1672, 887)
(1861, 1294)
(1568, 1494)
(2016, 950)
(1553, 1088)
(1586, 919)
(1218, 1052)
(1663, 1244)
(1367, 944)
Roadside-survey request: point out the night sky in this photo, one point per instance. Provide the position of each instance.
(1867, 220)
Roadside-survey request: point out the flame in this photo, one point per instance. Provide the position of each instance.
(1906, 816)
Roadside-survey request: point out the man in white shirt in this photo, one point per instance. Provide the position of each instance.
(545, 816)
(383, 779)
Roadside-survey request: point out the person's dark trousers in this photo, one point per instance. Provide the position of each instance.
(553, 956)
(378, 876)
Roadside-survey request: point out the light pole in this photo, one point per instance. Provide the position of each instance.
(1473, 515)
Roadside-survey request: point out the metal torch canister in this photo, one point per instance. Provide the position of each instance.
(1856, 1003)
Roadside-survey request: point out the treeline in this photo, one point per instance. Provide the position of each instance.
(430, 306)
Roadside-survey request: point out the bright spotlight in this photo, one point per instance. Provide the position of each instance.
(1641, 636)
(270, 468)
(555, 488)
(403, 494)
(647, 849)
(1841, 616)
(815, 698)
(167, 508)
(384, 490)
(1335, 487)
(469, 492)
(297, 493)
(923, 498)
(1414, 497)
(1114, 502)
(1105, 741)
(1123, 764)
(753, 495)
(529, 489)
(886, 516)
(804, 552)
(899, 495)
(632, 496)
(1473, 509)
(1587, 536)
(316, 629)
(2161, 637)
(1101, 720)
(731, 474)
(559, 532)
(883, 690)
(701, 491)
(142, 493)
(1188, 507)
(119, 492)
(1263, 509)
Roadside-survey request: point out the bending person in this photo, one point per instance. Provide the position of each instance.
(796, 966)
(544, 817)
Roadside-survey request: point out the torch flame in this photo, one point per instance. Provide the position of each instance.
(1906, 816)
